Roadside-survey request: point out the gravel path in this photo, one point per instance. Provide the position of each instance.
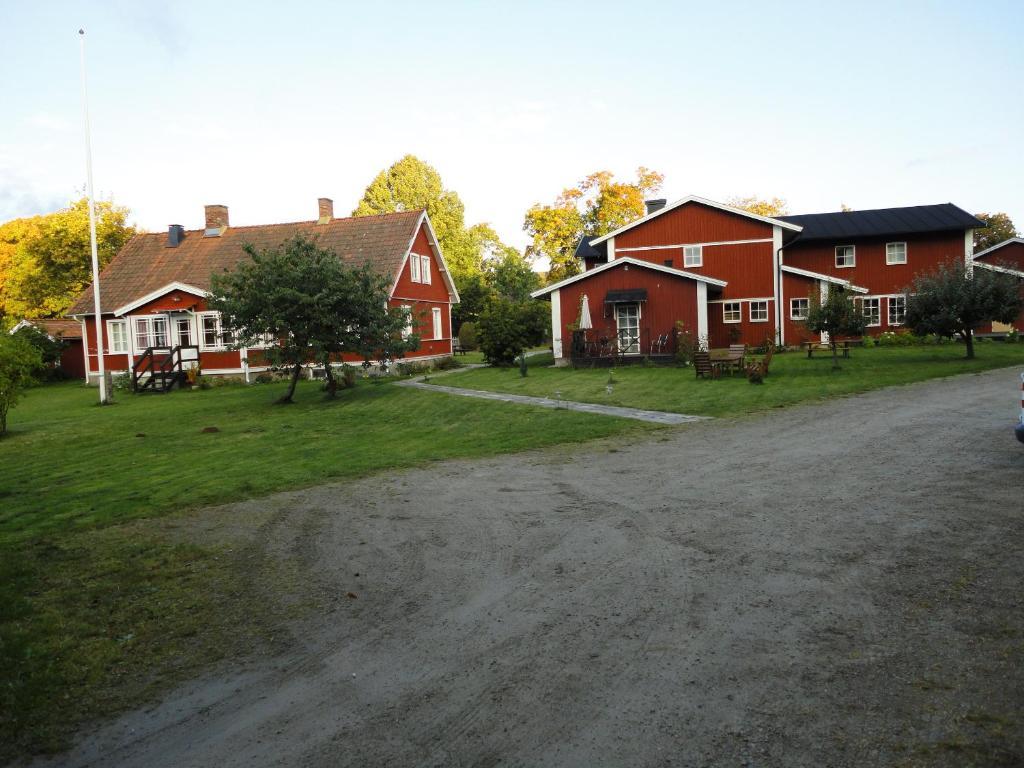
(827, 585)
(654, 417)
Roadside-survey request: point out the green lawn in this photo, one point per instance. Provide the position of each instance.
(793, 379)
(100, 606)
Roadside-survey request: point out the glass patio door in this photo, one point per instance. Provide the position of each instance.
(627, 322)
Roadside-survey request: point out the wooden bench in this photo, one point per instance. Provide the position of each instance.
(457, 348)
(816, 346)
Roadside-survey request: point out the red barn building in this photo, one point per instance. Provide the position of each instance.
(1007, 256)
(153, 293)
(731, 275)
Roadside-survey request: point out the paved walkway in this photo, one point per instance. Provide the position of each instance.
(655, 417)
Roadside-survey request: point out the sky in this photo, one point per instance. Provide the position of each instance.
(266, 106)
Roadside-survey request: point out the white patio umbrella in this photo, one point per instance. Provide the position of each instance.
(585, 322)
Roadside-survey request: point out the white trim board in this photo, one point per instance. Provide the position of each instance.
(997, 246)
(683, 245)
(997, 268)
(623, 261)
(700, 201)
(152, 296)
(826, 278)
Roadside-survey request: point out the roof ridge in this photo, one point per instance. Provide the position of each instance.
(311, 222)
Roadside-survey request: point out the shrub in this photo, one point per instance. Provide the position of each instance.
(20, 361)
(686, 344)
(1013, 337)
(264, 377)
(447, 364)
(508, 327)
(468, 336)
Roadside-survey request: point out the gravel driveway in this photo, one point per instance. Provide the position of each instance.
(827, 585)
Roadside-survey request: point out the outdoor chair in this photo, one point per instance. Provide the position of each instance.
(658, 345)
(704, 367)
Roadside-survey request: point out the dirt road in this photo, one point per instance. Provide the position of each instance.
(828, 585)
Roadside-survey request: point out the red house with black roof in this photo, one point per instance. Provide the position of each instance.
(733, 276)
(153, 293)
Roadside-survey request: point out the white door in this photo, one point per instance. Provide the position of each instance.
(627, 322)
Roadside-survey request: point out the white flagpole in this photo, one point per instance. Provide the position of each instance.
(92, 232)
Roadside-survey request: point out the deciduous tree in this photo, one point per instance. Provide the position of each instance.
(596, 206)
(508, 327)
(837, 315)
(768, 206)
(1000, 227)
(19, 363)
(46, 262)
(950, 301)
(310, 304)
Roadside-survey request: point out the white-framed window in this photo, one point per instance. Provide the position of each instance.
(846, 256)
(897, 310)
(212, 334)
(183, 327)
(414, 268)
(150, 332)
(117, 337)
(759, 311)
(732, 312)
(693, 256)
(438, 327)
(407, 331)
(425, 269)
(895, 253)
(798, 308)
(872, 311)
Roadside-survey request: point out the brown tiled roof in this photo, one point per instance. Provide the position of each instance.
(146, 263)
(59, 329)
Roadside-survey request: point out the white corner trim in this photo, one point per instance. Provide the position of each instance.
(702, 311)
(780, 333)
(611, 249)
(556, 323)
(701, 201)
(628, 260)
(175, 286)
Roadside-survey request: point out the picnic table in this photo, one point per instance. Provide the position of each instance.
(731, 359)
(817, 346)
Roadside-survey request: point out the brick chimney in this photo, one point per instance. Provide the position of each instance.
(216, 220)
(326, 210)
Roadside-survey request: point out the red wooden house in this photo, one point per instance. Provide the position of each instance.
(153, 294)
(68, 333)
(1008, 257)
(730, 275)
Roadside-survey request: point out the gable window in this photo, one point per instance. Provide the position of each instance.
(693, 256)
(798, 308)
(759, 311)
(872, 311)
(897, 310)
(425, 269)
(438, 328)
(732, 312)
(213, 335)
(846, 256)
(117, 336)
(414, 268)
(150, 332)
(895, 253)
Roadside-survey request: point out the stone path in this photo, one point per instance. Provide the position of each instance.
(655, 417)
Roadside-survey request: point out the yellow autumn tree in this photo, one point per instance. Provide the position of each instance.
(596, 206)
(46, 261)
(768, 206)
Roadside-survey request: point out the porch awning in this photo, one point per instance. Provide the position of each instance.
(628, 295)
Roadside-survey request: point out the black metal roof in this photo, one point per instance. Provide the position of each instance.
(584, 250)
(881, 222)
